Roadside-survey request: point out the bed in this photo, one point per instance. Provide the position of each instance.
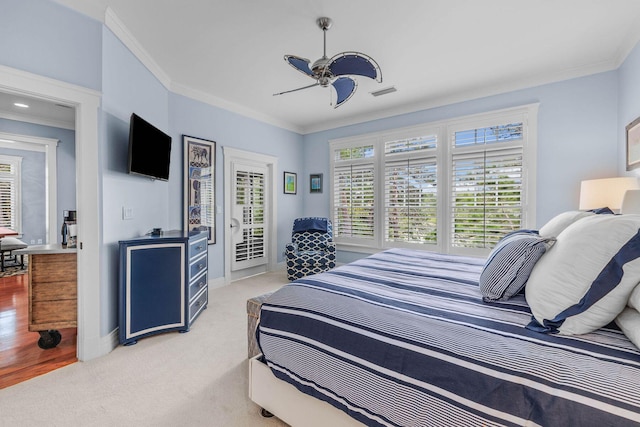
(407, 337)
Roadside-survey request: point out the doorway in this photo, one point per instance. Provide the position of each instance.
(250, 213)
(90, 343)
(39, 173)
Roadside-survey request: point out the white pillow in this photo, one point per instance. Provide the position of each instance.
(584, 281)
(634, 298)
(558, 223)
(629, 323)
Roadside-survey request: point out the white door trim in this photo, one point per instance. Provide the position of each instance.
(88, 194)
(232, 155)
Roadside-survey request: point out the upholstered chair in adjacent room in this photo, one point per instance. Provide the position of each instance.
(7, 246)
(312, 249)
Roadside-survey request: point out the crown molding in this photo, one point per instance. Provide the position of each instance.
(215, 101)
(120, 30)
(113, 23)
(466, 95)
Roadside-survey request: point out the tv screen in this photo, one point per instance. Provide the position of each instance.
(149, 149)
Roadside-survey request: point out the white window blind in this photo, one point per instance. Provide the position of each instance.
(354, 201)
(486, 185)
(10, 192)
(410, 197)
(460, 197)
(250, 191)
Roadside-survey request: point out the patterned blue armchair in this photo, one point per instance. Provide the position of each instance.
(312, 249)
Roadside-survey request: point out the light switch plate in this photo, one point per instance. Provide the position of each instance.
(127, 213)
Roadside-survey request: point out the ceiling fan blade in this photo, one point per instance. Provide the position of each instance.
(295, 90)
(345, 87)
(300, 64)
(354, 63)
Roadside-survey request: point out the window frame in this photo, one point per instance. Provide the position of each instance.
(444, 129)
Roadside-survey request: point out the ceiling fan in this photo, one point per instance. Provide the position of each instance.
(335, 71)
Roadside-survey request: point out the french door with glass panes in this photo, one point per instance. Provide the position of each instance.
(248, 216)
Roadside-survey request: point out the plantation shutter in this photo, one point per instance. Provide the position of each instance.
(411, 200)
(486, 196)
(353, 187)
(455, 186)
(249, 209)
(8, 195)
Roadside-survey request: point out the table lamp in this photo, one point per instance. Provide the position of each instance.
(608, 192)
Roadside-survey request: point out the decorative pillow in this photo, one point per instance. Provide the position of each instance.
(601, 211)
(554, 227)
(634, 298)
(629, 323)
(508, 267)
(585, 281)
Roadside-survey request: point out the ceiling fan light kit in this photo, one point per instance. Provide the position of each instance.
(335, 71)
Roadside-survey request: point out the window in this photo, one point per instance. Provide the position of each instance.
(454, 186)
(410, 187)
(10, 192)
(354, 193)
(486, 184)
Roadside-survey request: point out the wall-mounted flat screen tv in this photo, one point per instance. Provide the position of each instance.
(149, 149)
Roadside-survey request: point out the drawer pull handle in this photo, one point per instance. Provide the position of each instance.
(200, 266)
(199, 247)
(199, 304)
(201, 285)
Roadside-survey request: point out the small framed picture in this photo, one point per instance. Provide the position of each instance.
(290, 183)
(315, 183)
(633, 144)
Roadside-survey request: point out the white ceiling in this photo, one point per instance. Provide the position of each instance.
(38, 111)
(435, 52)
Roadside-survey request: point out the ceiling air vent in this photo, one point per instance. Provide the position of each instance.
(385, 91)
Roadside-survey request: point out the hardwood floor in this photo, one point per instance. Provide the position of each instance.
(20, 356)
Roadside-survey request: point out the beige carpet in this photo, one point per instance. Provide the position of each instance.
(198, 378)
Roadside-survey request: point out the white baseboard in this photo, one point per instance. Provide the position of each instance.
(218, 282)
(111, 341)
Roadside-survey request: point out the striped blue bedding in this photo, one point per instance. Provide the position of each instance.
(403, 338)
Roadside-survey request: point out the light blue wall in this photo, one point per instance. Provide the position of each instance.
(128, 87)
(628, 104)
(48, 39)
(33, 176)
(577, 138)
(227, 129)
(45, 38)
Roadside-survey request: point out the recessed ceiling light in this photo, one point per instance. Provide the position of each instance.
(20, 104)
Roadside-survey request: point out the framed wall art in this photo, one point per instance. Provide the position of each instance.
(200, 185)
(290, 183)
(633, 144)
(315, 183)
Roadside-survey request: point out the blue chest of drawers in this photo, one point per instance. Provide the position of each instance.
(162, 283)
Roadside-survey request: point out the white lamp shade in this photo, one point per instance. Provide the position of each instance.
(608, 192)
